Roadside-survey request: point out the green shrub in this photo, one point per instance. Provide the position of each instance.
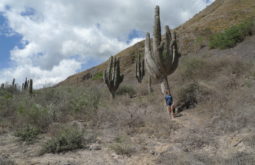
(85, 104)
(34, 115)
(27, 134)
(98, 76)
(231, 36)
(66, 139)
(126, 90)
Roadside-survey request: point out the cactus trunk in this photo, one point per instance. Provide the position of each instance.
(139, 69)
(30, 86)
(149, 85)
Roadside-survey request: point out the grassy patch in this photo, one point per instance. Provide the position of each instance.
(231, 36)
(98, 76)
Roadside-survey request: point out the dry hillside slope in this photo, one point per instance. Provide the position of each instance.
(192, 35)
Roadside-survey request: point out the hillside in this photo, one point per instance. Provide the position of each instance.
(192, 35)
(77, 122)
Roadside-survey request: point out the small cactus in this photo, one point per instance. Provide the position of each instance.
(139, 68)
(112, 76)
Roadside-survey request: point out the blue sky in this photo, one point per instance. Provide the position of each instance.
(7, 42)
(64, 37)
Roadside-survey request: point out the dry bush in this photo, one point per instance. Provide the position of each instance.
(6, 161)
(123, 149)
(67, 138)
(126, 89)
(122, 145)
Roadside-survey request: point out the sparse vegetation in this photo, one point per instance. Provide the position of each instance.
(231, 36)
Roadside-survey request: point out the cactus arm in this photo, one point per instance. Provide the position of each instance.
(157, 44)
(149, 59)
(157, 29)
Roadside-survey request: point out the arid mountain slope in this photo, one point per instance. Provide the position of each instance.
(192, 35)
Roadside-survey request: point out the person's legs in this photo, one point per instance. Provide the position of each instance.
(169, 109)
(172, 110)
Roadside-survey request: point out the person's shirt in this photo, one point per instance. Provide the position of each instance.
(169, 100)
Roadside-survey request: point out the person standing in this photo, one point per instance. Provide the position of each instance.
(169, 103)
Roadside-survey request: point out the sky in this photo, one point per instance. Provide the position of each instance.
(48, 40)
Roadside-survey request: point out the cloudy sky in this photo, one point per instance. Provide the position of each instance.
(49, 40)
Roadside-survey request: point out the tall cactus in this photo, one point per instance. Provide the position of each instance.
(112, 76)
(30, 86)
(161, 57)
(13, 83)
(139, 68)
(25, 85)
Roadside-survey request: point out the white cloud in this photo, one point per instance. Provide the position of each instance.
(57, 31)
